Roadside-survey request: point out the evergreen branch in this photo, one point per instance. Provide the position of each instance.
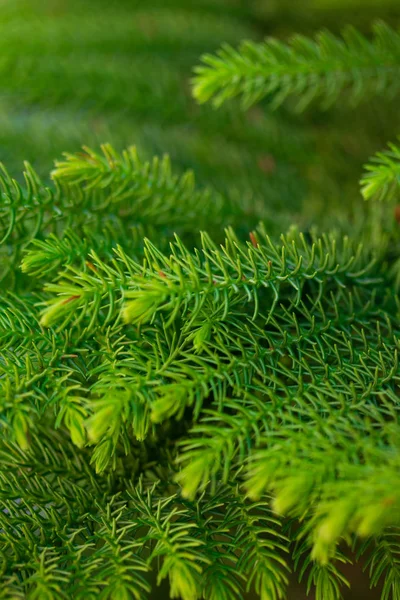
(18, 323)
(22, 209)
(134, 390)
(221, 578)
(382, 179)
(319, 69)
(121, 565)
(48, 579)
(233, 274)
(44, 257)
(262, 546)
(49, 255)
(346, 496)
(327, 580)
(58, 491)
(225, 437)
(174, 543)
(220, 442)
(383, 561)
(148, 190)
(122, 196)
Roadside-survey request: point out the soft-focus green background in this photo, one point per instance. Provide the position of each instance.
(90, 71)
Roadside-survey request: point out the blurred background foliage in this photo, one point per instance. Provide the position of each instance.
(74, 72)
(85, 72)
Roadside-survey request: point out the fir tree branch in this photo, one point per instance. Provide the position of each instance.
(234, 274)
(263, 547)
(382, 179)
(346, 495)
(148, 190)
(319, 69)
(383, 562)
(327, 580)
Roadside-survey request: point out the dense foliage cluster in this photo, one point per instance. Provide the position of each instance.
(190, 387)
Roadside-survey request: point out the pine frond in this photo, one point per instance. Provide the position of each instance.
(49, 255)
(174, 543)
(148, 190)
(222, 441)
(310, 70)
(233, 274)
(221, 578)
(22, 209)
(353, 499)
(382, 179)
(327, 580)
(383, 562)
(263, 547)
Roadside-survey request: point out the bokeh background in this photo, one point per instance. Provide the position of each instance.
(91, 71)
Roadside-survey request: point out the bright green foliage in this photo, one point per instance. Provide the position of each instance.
(285, 354)
(304, 68)
(187, 399)
(382, 179)
(147, 191)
